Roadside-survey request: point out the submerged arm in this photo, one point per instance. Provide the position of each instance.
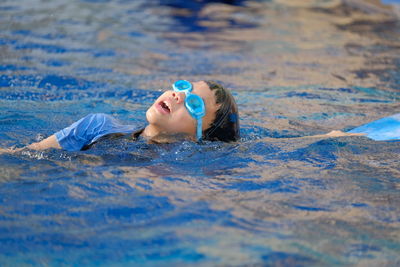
(334, 134)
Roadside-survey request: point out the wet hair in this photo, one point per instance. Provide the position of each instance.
(225, 126)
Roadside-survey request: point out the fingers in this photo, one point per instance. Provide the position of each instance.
(9, 150)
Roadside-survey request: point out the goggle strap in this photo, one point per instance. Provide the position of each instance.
(199, 131)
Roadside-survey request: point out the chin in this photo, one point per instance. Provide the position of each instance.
(151, 115)
(155, 119)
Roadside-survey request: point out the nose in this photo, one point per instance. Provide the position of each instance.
(178, 96)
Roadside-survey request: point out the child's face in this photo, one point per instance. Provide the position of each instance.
(169, 115)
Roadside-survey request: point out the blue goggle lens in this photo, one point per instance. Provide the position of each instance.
(182, 85)
(195, 105)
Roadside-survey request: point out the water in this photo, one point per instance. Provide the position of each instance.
(296, 68)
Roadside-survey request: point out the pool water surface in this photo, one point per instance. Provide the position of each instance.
(296, 68)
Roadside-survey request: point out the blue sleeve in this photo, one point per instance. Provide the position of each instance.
(384, 129)
(88, 130)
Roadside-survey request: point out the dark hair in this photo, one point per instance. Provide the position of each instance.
(225, 126)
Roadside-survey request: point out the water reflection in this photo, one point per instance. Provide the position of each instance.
(295, 67)
(212, 15)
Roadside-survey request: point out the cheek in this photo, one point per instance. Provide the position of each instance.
(209, 118)
(182, 122)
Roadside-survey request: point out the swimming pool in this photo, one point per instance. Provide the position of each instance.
(295, 69)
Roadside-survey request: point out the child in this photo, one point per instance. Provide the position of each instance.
(195, 111)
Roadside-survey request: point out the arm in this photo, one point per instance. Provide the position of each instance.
(49, 142)
(79, 134)
(71, 138)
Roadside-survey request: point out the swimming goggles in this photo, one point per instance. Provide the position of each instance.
(193, 103)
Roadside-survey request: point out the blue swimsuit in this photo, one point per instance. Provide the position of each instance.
(89, 129)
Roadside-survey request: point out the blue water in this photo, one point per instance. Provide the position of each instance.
(296, 68)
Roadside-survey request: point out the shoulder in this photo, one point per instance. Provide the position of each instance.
(97, 118)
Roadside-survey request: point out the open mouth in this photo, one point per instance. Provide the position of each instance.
(165, 107)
